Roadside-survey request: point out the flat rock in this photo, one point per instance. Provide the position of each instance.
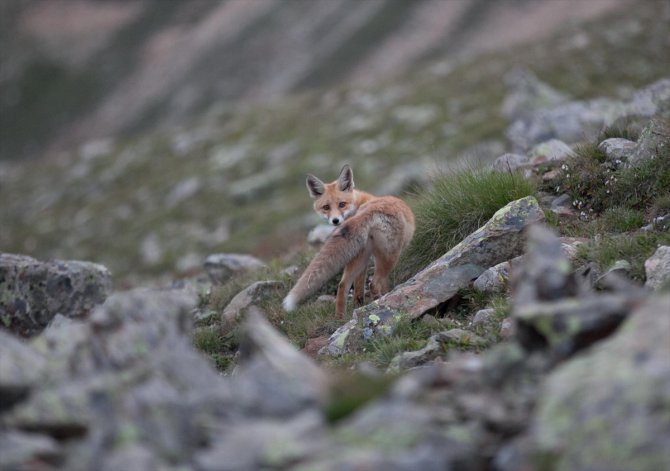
(250, 296)
(33, 292)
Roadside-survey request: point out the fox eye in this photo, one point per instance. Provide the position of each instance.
(342, 204)
(326, 207)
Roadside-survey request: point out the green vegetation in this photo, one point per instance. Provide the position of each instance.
(457, 203)
(597, 185)
(635, 248)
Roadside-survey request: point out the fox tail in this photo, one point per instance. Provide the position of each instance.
(339, 249)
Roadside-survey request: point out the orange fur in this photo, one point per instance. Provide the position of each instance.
(369, 226)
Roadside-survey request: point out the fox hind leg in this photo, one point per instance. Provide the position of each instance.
(384, 265)
(359, 286)
(352, 272)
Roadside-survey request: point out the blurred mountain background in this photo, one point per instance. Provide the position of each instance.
(74, 70)
(147, 134)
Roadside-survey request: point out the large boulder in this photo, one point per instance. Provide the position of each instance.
(500, 239)
(33, 292)
(608, 408)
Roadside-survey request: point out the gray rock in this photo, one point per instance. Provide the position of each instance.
(433, 349)
(494, 279)
(550, 308)
(617, 149)
(262, 343)
(483, 317)
(526, 93)
(250, 296)
(21, 368)
(498, 240)
(222, 267)
(263, 444)
(510, 162)
(611, 398)
(583, 120)
(319, 234)
(657, 268)
(550, 151)
(649, 101)
(33, 292)
(654, 142)
(19, 449)
(570, 122)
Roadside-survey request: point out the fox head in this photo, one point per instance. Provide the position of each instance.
(334, 201)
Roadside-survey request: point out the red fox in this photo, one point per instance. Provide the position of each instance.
(368, 226)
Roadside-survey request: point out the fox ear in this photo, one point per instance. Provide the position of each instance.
(345, 182)
(314, 186)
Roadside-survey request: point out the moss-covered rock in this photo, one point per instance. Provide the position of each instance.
(610, 408)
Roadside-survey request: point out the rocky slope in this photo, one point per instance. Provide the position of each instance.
(536, 341)
(232, 180)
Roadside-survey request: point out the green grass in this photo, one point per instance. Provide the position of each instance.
(621, 219)
(220, 345)
(623, 130)
(457, 203)
(635, 248)
(596, 186)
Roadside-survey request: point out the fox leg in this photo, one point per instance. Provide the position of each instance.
(359, 286)
(351, 272)
(384, 265)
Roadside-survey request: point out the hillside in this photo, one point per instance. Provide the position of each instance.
(76, 70)
(526, 326)
(232, 180)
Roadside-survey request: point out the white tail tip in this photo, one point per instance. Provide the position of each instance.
(289, 303)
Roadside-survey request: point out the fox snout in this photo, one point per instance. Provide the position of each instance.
(336, 220)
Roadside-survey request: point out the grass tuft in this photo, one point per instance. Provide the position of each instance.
(621, 219)
(624, 131)
(458, 202)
